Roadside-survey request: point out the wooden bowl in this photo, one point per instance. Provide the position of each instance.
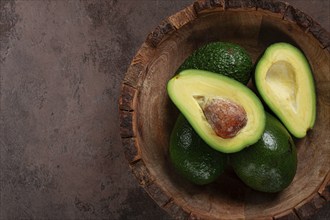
(147, 115)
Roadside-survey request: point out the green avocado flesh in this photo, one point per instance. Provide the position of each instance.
(285, 82)
(225, 58)
(270, 164)
(201, 96)
(192, 157)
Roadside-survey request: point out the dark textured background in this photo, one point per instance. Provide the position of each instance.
(61, 63)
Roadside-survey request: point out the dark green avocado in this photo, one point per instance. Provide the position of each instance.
(192, 157)
(270, 164)
(225, 58)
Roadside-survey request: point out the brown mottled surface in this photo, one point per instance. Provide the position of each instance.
(61, 65)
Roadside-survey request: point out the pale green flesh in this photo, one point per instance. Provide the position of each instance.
(281, 80)
(285, 82)
(186, 89)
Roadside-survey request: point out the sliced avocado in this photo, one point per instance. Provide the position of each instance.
(192, 157)
(226, 58)
(270, 164)
(227, 115)
(285, 82)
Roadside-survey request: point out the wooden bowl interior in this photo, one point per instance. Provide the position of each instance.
(228, 197)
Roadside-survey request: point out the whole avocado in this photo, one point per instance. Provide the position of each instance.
(225, 58)
(191, 157)
(270, 164)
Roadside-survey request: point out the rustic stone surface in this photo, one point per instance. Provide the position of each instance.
(61, 65)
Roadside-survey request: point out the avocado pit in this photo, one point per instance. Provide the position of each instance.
(226, 117)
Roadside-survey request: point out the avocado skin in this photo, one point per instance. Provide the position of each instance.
(225, 58)
(191, 157)
(270, 164)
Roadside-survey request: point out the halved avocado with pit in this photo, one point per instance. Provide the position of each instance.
(284, 80)
(226, 114)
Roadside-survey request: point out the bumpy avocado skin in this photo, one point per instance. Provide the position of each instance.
(192, 157)
(225, 58)
(270, 164)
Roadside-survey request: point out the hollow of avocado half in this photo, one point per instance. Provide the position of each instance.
(285, 82)
(226, 114)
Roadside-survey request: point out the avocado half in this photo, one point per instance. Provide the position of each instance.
(201, 96)
(284, 80)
